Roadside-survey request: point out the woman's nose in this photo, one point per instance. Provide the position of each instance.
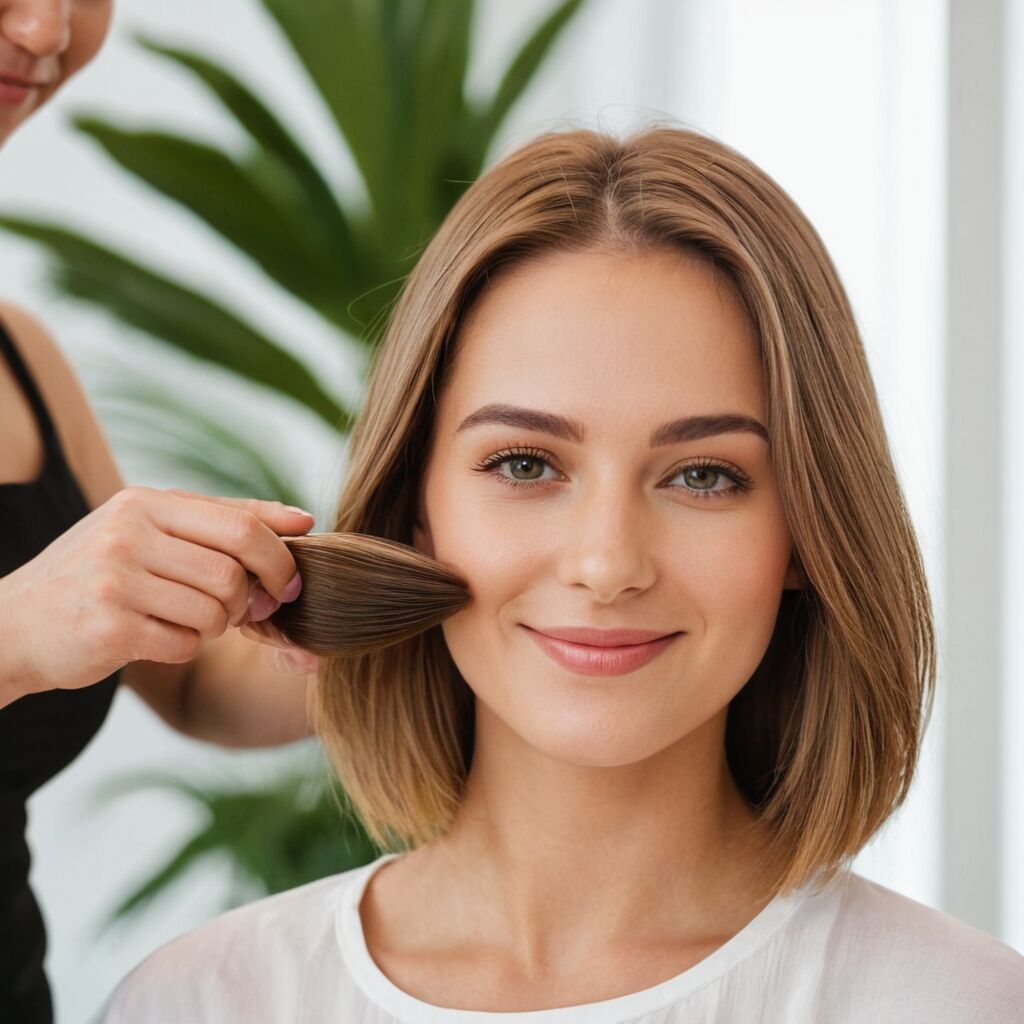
(42, 27)
(606, 544)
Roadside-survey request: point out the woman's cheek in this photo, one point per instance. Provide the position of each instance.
(489, 537)
(740, 603)
(500, 559)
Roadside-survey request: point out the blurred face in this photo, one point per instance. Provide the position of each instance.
(42, 44)
(609, 514)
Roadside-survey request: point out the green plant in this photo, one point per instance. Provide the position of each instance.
(392, 76)
(296, 828)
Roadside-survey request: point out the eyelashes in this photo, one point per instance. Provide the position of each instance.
(740, 481)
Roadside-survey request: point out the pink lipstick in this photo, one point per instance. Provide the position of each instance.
(608, 652)
(14, 90)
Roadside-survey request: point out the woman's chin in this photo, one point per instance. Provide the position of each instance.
(601, 741)
(610, 755)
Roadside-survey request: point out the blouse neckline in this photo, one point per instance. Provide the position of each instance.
(381, 990)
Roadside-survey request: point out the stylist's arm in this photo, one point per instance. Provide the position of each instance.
(152, 581)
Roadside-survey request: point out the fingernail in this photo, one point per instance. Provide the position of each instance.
(298, 511)
(293, 589)
(261, 605)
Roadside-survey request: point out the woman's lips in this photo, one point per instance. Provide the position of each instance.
(600, 661)
(14, 92)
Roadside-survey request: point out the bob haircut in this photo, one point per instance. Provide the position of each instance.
(824, 738)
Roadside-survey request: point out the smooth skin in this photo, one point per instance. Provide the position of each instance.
(151, 580)
(602, 846)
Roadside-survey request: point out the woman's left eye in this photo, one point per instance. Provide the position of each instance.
(530, 459)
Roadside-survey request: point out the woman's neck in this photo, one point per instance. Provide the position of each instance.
(553, 859)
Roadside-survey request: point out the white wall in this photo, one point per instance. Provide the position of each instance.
(841, 101)
(1013, 720)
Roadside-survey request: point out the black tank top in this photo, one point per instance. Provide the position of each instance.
(40, 733)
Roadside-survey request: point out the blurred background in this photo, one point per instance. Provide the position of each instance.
(178, 218)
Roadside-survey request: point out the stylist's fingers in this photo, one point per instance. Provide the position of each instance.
(261, 605)
(244, 528)
(209, 571)
(157, 640)
(282, 519)
(179, 604)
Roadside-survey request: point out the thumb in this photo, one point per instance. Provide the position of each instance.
(285, 520)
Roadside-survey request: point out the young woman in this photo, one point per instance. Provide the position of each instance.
(102, 584)
(623, 395)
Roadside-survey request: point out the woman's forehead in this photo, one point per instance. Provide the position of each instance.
(610, 327)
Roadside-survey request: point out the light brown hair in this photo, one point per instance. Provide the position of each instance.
(824, 738)
(361, 594)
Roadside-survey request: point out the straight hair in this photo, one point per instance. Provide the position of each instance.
(824, 738)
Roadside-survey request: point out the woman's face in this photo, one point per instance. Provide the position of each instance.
(42, 44)
(603, 529)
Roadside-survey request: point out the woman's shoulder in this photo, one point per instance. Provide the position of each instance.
(888, 950)
(249, 963)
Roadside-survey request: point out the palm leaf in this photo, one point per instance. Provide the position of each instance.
(341, 45)
(339, 238)
(325, 214)
(290, 831)
(241, 201)
(174, 313)
(525, 64)
(429, 53)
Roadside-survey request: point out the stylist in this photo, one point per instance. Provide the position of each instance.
(100, 584)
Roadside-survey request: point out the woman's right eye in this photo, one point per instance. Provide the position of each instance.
(527, 461)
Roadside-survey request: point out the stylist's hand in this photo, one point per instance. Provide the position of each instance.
(148, 576)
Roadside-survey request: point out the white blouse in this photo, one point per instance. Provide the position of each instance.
(852, 953)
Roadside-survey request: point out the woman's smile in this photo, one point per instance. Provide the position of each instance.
(600, 661)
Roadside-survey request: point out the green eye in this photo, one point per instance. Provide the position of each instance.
(700, 475)
(518, 461)
(703, 468)
(517, 457)
(533, 458)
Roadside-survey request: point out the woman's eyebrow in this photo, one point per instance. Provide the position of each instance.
(689, 428)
